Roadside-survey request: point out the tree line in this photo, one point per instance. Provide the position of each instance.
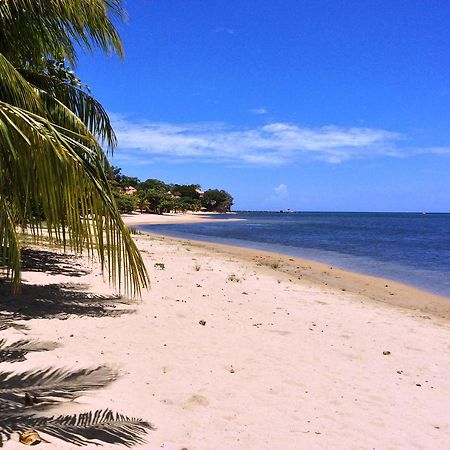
(157, 197)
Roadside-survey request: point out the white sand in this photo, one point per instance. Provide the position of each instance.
(154, 219)
(282, 363)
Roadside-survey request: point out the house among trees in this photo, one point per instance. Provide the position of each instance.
(157, 197)
(130, 190)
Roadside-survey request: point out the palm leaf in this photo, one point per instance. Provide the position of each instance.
(31, 29)
(15, 89)
(64, 172)
(9, 241)
(50, 160)
(83, 105)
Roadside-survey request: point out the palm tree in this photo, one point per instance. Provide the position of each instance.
(51, 163)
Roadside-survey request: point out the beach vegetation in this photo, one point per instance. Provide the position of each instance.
(136, 232)
(217, 200)
(125, 203)
(52, 165)
(157, 197)
(275, 265)
(197, 267)
(160, 266)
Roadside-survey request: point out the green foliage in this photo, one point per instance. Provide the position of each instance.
(151, 183)
(51, 163)
(30, 31)
(217, 200)
(155, 196)
(188, 191)
(125, 203)
(120, 180)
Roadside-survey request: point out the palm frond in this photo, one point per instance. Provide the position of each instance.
(83, 105)
(15, 89)
(64, 172)
(9, 240)
(51, 164)
(30, 29)
(98, 427)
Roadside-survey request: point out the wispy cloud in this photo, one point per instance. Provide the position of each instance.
(259, 110)
(439, 150)
(268, 145)
(225, 30)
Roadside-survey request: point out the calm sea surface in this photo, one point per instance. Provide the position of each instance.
(412, 248)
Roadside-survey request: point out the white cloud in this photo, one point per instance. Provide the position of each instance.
(259, 110)
(273, 144)
(279, 197)
(439, 150)
(281, 190)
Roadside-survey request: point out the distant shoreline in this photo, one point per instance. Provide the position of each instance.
(167, 218)
(336, 212)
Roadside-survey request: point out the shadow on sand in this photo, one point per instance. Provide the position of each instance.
(26, 398)
(53, 263)
(58, 301)
(30, 399)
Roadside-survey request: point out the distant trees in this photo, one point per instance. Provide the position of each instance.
(125, 203)
(217, 200)
(157, 197)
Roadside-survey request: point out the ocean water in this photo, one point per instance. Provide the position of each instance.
(412, 248)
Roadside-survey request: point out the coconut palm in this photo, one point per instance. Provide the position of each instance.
(51, 163)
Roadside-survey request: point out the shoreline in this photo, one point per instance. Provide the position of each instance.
(168, 218)
(226, 351)
(375, 288)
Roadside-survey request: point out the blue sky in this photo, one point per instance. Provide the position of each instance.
(309, 105)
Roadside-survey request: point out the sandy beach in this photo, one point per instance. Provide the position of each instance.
(242, 349)
(167, 218)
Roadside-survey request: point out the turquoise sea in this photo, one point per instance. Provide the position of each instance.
(413, 248)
